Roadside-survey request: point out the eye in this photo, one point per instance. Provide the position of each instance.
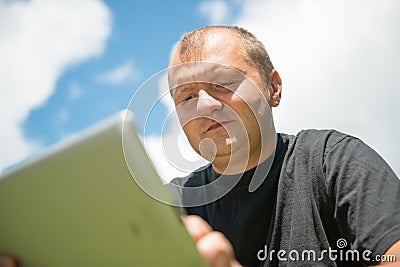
(187, 98)
(184, 94)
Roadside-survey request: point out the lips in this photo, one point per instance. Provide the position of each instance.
(213, 126)
(216, 125)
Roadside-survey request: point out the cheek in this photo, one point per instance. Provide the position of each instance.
(190, 129)
(244, 108)
(252, 110)
(248, 114)
(192, 135)
(254, 97)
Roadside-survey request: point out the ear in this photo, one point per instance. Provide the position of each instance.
(276, 88)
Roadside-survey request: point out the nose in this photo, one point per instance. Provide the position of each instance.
(207, 104)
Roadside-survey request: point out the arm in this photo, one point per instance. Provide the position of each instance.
(212, 245)
(365, 193)
(394, 250)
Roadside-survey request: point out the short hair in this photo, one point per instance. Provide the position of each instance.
(191, 44)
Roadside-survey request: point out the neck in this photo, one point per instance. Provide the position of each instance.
(232, 164)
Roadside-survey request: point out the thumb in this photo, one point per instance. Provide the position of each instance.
(196, 226)
(7, 261)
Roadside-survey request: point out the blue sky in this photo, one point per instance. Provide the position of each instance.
(68, 64)
(141, 40)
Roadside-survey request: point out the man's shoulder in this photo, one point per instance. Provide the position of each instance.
(313, 139)
(330, 135)
(311, 148)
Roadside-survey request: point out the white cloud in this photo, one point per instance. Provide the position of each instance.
(75, 91)
(124, 73)
(167, 165)
(339, 62)
(214, 11)
(39, 39)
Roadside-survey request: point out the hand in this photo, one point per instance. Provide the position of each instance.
(212, 245)
(7, 261)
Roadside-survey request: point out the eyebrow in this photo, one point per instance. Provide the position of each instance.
(227, 72)
(213, 77)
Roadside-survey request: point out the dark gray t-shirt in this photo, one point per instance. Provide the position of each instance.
(327, 199)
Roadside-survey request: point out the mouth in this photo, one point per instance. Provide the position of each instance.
(216, 125)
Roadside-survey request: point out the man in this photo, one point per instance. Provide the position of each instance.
(293, 198)
(317, 194)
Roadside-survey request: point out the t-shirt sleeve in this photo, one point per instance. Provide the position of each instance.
(365, 194)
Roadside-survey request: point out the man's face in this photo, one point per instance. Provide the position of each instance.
(221, 100)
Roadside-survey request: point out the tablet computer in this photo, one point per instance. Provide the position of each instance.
(77, 205)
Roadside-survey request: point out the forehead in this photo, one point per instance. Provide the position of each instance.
(221, 53)
(218, 46)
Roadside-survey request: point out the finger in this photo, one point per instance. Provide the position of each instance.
(216, 250)
(196, 226)
(7, 261)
